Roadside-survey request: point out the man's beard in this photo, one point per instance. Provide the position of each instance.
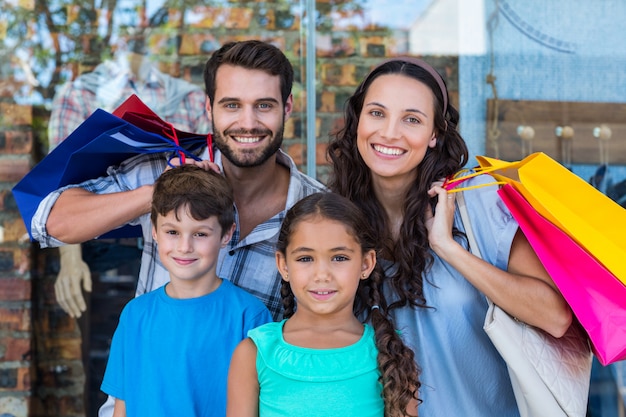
(245, 159)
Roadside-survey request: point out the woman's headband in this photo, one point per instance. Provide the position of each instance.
(426, 66)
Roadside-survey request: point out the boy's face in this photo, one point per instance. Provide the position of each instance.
(189, 248)
(248, 115)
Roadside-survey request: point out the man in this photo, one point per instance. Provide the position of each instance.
(248, 85)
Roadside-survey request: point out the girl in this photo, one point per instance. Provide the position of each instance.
(321, 360)
(398, 142)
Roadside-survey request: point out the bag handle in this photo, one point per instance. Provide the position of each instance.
(451, 183)
(170, 142)
(486, 165)
(471, 239)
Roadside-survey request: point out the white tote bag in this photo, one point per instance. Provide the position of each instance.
(550, 376)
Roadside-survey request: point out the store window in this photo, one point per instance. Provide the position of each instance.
(527, 76)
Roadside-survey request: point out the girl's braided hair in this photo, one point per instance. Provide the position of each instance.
(399, 374)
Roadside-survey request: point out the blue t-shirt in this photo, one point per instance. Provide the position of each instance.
(170, 357)
(462, 373)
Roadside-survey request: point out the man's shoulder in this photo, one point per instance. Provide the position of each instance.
(305, 185)
(142, 168)
(302, 186)
(310, 183)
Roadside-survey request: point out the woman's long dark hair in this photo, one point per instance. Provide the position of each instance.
(396, 361)
(351, 178)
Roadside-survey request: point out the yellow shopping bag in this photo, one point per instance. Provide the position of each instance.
(593, 220)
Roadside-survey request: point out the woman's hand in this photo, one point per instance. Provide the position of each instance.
(439, 224)
(524, 290)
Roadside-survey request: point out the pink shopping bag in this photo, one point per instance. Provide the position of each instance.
(596, 296)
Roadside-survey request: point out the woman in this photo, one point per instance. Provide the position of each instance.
(398, 143)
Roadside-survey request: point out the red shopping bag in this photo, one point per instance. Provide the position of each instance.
(596, 296)
(135, 111)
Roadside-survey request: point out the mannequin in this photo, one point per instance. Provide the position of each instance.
(106, 87)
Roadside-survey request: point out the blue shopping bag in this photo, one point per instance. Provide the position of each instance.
(101, 141)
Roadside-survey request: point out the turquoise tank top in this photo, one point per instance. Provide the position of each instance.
(303, 382)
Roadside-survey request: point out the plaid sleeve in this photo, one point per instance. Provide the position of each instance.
(131, 174)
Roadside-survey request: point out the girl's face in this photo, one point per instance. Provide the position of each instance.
(324, 264)
(396, 127)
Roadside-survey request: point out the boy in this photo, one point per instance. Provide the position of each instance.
(172, 348)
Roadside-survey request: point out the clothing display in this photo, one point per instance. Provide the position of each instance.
(110, 83)
(448, 339)
(170, 357)
(303, 382)
(249, 262)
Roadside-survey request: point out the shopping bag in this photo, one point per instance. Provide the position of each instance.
(593, 220)
(596, 297)
(135, 111)
(101, 141)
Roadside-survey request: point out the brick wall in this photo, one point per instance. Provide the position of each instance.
(16, 370)
(41, 368)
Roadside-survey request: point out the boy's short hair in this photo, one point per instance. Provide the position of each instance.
(202, 193)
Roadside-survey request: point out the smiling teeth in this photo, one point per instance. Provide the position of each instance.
(388, 151)
(246, 139)
(322, 292)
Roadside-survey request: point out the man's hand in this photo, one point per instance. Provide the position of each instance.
(204, 164)
(67, 287)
